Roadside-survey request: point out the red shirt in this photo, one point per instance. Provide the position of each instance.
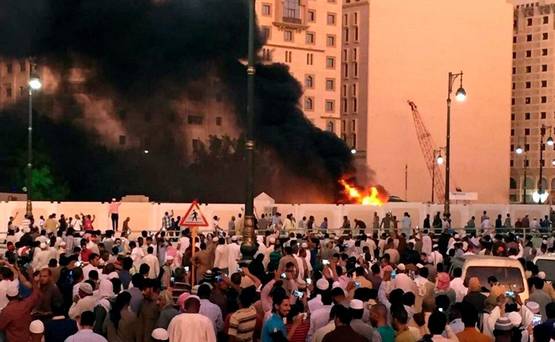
(15, 318)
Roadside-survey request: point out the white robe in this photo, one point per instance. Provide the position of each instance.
(189, 327)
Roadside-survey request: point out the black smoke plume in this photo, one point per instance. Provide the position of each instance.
(143, 54)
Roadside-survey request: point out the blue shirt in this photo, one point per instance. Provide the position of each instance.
(273, 324)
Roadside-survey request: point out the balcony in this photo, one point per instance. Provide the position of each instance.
(292, 20)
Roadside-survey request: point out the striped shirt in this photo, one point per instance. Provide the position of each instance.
(242, 324)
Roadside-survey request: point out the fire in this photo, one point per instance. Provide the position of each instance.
(371, 196)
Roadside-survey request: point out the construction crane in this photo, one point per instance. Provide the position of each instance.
(428, 147)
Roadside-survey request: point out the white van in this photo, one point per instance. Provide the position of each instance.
(546, 263)
(509, 272)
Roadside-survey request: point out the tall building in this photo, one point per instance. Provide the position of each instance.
(533, 100)
(306, 35)
(398, 50)
(14, 76)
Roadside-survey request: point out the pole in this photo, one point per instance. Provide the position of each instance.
(248, 248)
(540, 186)
(448, 145)
(433, 178)
(406, 181)
(525, 168)
(29, 206)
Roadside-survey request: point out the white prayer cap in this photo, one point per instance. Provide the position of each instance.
(160, 334)
(215, 239)
(534, 307)
(304, 245)
(419, 265)
(86, 288)
(515, 318)
(541, 275)
(322, 284)
(234, 238)
(36, 327)
(401, 267)
(356, 304)
(43, 245)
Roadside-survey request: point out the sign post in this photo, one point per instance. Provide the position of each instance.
(193, 219)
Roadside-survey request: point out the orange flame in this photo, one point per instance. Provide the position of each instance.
(371, 196)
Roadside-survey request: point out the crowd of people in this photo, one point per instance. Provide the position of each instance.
(67, 281)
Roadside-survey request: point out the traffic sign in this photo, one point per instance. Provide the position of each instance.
(194, 217)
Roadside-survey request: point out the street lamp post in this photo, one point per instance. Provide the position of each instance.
(460, 95)
(34, 85)
(549, 142)
(248, 247)
(438, 159)
(520, 150)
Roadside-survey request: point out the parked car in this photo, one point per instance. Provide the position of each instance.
(546, 263)
(509, 272)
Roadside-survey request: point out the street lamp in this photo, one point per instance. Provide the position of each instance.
(460, 95)
(353, 151)
(438, 161)
(248, 247)
(520, 150)
(34, 84)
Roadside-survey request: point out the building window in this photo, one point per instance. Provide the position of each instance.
(197, 145)
(288, 56)
(529, 22)
(512, 164)
(309, 82)
(527, 100)
(309, 58)
(526, 163)
(544, 52)
(9, 68)
(544, 67)
(330, 84)
(355, 18)
(288, 35)
(218, 120)
(291, 9)
(311, 16)
(308, 103)
(22, 66)
(545, 36)
(513, 116)
(266, 10)
(527, 146)
(512, 135)
(344, 55)
(345, 20)
(355, 105)
(21, 91)
(544, 99)
(330, 106)
(527, 131)
(514, 55)
(513, 101)
(526, 116)
(529, 38)
(514, 70)
(266, 32)
(528, 53)
(355, 69)
(266, 54)
(543, 115)
(310, 38)
(344, 90)
(330, 62)
(194, 119)
(344, 105)
(345, 70)
(122, 139)
(514, 39)
(354, 54)
(354, 90)
(544, 83)
(528, 68)
(546, 20)
(330, 127)
(330, 41)
(331, 19)
(514, 85)
(528, 84)
(355, 34)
